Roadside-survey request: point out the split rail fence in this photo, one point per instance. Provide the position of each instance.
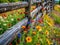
(7, 37)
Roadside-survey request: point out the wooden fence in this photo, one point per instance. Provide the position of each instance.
(7, 37)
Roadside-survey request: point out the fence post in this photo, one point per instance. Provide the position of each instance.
(37, 5)
(51, 6)
(40, 11)
(46, 6)
(27, 12)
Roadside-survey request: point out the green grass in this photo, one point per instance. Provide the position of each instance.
(56, 18)
(10, 20)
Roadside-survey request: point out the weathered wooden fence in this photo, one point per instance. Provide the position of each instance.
(13, 31)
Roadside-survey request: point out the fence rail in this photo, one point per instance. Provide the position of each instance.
(4, 5)
(13, 31)
(12, 6)
(9, 35)
(33, 13)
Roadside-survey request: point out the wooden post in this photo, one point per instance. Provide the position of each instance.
(46, 6)
(51, 5)
(37, 5)
(27, 12)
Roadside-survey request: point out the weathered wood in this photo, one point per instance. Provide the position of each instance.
(12, 6)
(34, 12)
(27, 11)
(9, 35)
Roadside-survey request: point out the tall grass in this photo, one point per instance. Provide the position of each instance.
(56, 18)
(57, 8)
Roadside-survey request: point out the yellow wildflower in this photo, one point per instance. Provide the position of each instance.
(28, 39)
(23, 27)
(49, 24)
(48, 41)
(49, 20)
(34, 32)
(56, 7)
(46, 32)
(38, 27)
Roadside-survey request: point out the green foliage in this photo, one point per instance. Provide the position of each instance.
(59, 2)
(13, 0)
(11, 19)
(4, 1)
(22, 0)
(56, 18)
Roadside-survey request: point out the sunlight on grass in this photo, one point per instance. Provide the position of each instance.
(56, 18)
(57, 8)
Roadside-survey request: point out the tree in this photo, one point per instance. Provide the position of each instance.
(22, 0)
(59, 2)
(13, 0)
(4, 1)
